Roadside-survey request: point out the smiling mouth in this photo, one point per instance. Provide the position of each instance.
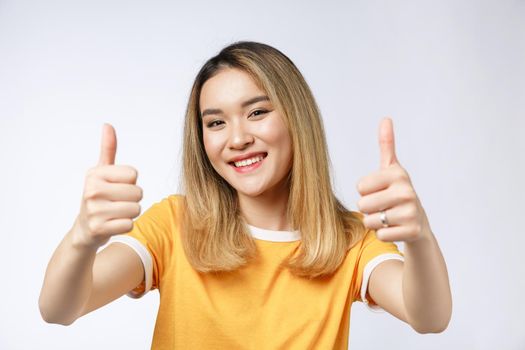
(249, 161)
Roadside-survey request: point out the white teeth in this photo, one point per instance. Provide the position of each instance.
(250, 161)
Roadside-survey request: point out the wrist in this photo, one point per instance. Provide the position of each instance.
(424, 239)
(80, 239)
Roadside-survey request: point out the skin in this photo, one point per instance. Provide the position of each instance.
(238, 130)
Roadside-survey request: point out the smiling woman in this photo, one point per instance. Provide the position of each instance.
(251, 138)
(252, 100)
(257, 253)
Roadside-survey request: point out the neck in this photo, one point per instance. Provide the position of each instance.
(268, 210)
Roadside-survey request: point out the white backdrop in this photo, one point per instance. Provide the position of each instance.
(450, 73)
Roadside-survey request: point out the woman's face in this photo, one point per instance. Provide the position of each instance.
(244, 136)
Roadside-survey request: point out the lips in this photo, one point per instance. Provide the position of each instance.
(247, 156)
(249, 168)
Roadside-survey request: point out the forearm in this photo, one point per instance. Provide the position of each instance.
(68, 281)
(426, 289)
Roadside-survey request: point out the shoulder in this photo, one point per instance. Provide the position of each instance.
(163, 211)
(172, 201)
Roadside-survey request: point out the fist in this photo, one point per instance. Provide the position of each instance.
(110, 199)
(388, 197)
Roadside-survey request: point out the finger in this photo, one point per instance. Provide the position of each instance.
(118, 174)
(392, 234)
(394, 216)
(386, 143)
(377, 181)
(121, 192)
(398, 233)
(118, 226)
(120, 210)
(108, 148)
(377, 201)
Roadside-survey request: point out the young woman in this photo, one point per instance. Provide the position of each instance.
(258, 253)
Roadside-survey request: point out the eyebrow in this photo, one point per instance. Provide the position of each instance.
(243, 105)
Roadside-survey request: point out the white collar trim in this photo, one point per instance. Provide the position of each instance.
(274, 236)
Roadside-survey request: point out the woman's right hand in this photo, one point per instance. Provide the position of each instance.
(110, 199)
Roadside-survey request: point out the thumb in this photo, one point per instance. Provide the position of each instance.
(108, 147)
(386, 143)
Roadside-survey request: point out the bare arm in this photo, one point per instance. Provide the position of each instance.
(426, 288)
(78, 281)
(67, 282)
(116, 271)
(416, 291)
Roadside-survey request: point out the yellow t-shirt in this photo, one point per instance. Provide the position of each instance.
(259, 306)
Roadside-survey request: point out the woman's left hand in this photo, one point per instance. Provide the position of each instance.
(391, 190)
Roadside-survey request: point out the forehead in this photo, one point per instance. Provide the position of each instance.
(230, 86)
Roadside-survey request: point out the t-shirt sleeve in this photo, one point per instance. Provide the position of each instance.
(150, 238)
(372, 252)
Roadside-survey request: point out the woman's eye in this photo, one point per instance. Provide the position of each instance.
(259, 112)
(214, 123)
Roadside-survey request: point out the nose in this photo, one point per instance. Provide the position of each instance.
(240, 137)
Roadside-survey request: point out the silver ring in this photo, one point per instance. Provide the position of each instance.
(382, 217)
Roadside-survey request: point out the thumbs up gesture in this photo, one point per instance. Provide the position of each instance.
(110, 199)
(389, 201)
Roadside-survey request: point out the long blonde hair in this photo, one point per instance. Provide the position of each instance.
(214, 235)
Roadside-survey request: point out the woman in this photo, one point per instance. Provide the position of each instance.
(258, 253)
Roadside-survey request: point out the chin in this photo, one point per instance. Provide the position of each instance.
(249, 192)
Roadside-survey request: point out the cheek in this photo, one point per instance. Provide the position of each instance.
(278, 136)
(211, 146)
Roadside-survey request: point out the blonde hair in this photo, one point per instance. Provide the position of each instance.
(214, 234)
